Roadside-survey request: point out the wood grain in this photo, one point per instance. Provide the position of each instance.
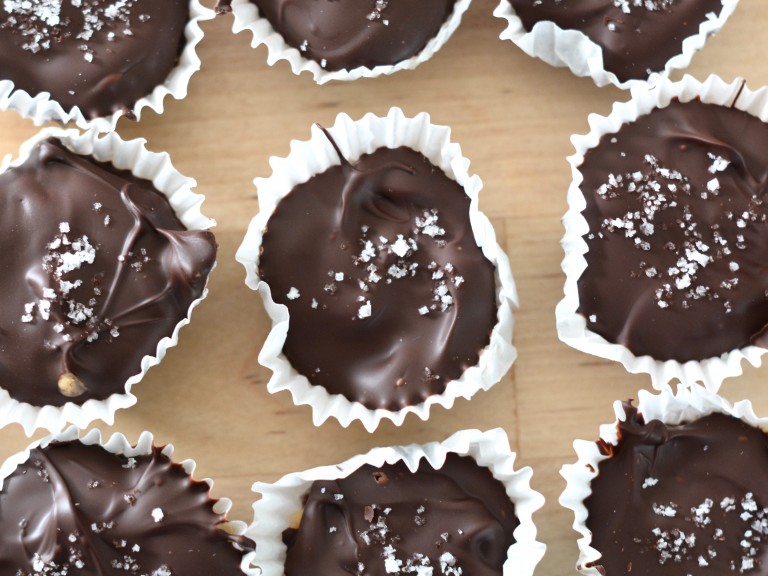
(513, 116)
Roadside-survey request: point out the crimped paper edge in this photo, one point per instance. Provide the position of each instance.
(41, 108)
(314, 156)
(246, 17)
(157, 167)
(687, 404)
(280, 501)
(118, 444)
(571, 326)
(574, 50)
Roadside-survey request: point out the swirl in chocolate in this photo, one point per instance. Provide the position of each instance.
(678, 233)
(78, 510)
(389, 520)
(96, 270)
(637, 37)
(681, 499)
(347, 34)
(99, 56)
(389, 296)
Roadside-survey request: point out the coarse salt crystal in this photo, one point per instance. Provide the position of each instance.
(365, 310)
(293, 293)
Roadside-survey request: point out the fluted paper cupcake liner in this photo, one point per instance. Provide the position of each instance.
(316, 155)
(281, 501)
(247, 17)
(686, 405)
(574, 50)
(118, 444)
(571, 325)
(41, 108)
(129, 155)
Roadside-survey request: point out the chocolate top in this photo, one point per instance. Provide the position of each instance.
(99, 56)
(686, 499)
(637, 36)
(388, 520)
(96, 270)
(82, 511)
(678, 233)
(389, 296)
(346, 34)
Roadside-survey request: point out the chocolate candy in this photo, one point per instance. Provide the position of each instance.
(678, 233)
(96, 270)
(637, 36)
(388, 520)
(681, 499)
(389, 296)
(346, 34)
(78, 509)
(99, 56)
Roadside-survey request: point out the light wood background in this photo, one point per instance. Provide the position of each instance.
(513, 116)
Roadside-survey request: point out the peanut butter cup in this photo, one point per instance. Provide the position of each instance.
(72, 508)
(383, 520)
(389, 295)
(677, 499)
(99, 57)
(678, 233)
(97, 270)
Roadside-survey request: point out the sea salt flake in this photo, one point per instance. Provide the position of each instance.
(293, 293)
(365, 310)
(648, 482)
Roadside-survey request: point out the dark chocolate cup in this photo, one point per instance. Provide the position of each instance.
(156, 167)
(118, 444)
(686, 405)
(282, 501)
(574, 50)
(572, 326)
(308, 158)
(247, 17)
(41, 108)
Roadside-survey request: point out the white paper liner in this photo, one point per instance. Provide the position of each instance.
(118, 444)
(688, 404)
(574, 50)
(247, 17)
(572, 326)
(308, 158)
(281, 501)
(41, 108)
(156, 167)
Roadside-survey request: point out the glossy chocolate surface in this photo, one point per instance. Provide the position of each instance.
(389, 296)
(96, 270)
(346, 34)
(678, 233)
(685, 499)
(80, 510)
(100, 56)
(637, 36)
(378, 521)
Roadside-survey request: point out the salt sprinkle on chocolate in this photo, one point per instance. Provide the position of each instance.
(370, 260)
(660, 189)
(40, 22)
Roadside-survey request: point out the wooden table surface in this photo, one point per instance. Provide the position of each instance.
(512, 116)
